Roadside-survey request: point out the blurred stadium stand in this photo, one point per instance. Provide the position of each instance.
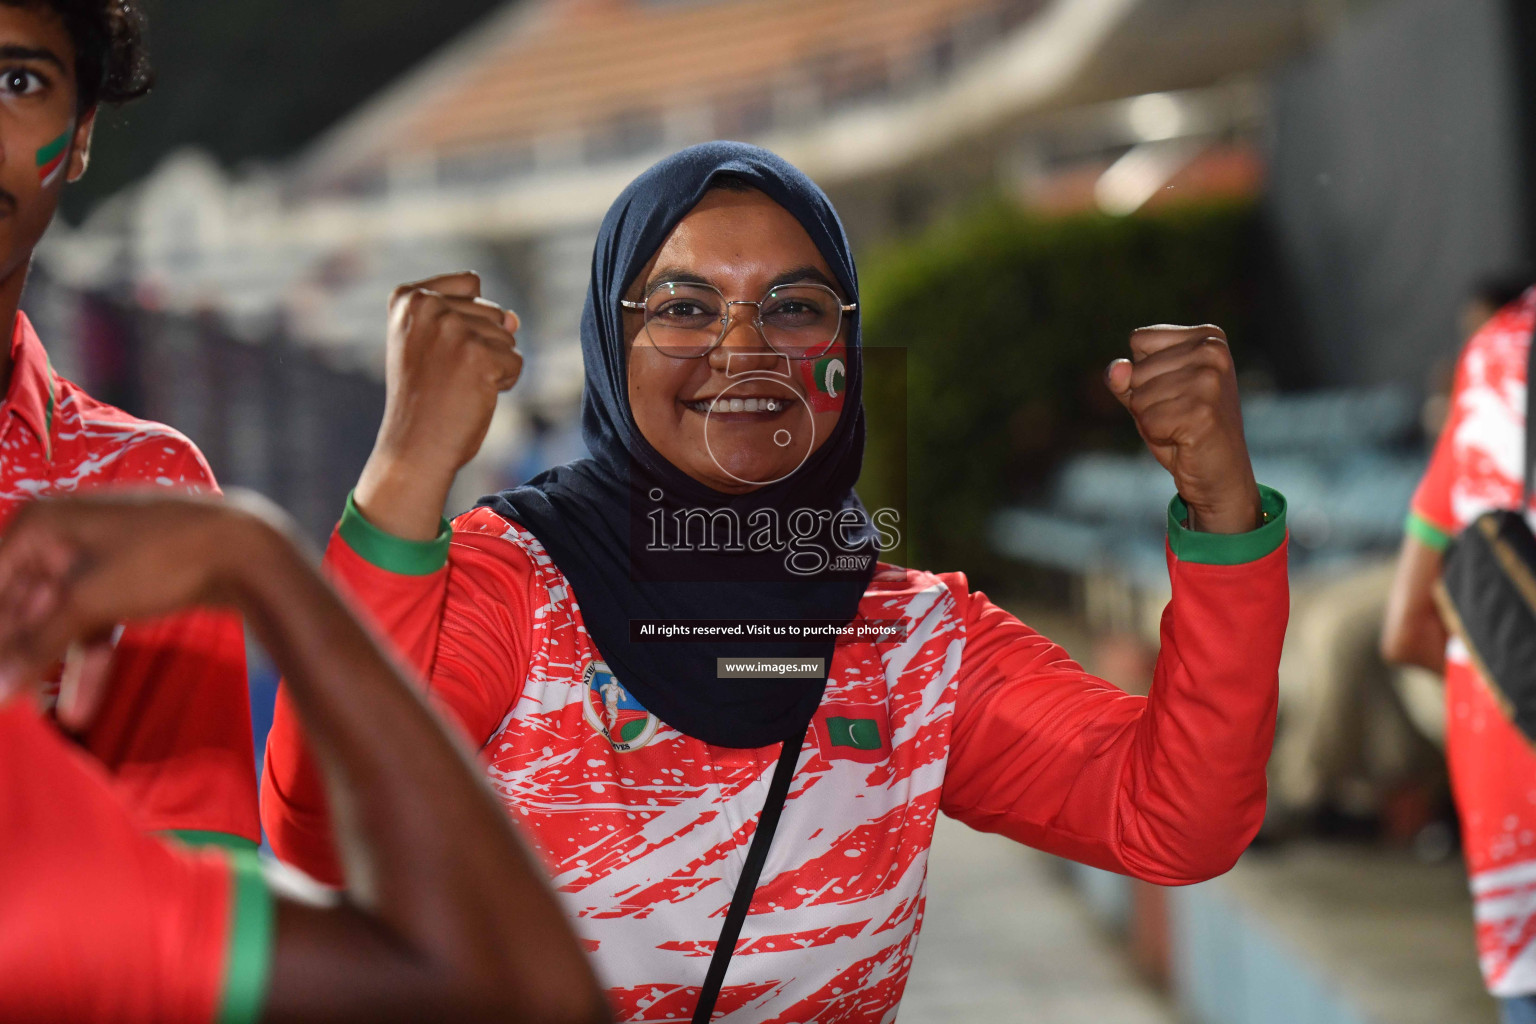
(1347, 461)
(502, 151)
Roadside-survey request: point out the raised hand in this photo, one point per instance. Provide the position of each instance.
(1181, 388)
(72, 569)
(451, 353)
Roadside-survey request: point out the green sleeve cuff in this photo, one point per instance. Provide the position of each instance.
(390, 553)
(1426, 532)
(198, 837)
(1228, 548)
(248, 962)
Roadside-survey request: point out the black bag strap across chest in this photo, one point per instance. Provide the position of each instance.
(757, 855)
(1529, 484)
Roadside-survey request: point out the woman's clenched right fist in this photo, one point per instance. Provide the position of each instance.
(450, 354)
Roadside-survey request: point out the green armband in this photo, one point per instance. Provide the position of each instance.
(1228, 548)
(252, 933)
(1426, 532)
(390, 553)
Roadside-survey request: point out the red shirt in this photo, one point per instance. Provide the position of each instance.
(101, 923)
(1476, 468)
(175, 733)
(644, 830)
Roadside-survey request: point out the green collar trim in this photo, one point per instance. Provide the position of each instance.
(390, 553)
(1228, 548)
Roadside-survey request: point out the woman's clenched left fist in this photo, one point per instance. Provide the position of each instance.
(1180, 387)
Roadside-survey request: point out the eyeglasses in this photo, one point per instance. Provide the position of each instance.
(686, 320)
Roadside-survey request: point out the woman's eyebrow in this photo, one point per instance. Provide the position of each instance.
(675, 275)
(800, 275)
(797, 275)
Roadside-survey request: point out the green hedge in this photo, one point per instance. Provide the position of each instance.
(1007, 321)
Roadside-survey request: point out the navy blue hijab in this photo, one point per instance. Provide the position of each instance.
(591, 514)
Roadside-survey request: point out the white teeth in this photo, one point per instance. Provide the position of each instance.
(737, 405)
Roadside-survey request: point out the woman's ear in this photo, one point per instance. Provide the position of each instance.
(80, 152)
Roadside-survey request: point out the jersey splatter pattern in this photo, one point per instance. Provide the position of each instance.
(614, 806)
(175, 732)
(644, 831)
(1477, 468)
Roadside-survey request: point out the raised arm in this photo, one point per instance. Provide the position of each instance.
(1169, 788)
(450, 354)
(461, 625)
(445, 915)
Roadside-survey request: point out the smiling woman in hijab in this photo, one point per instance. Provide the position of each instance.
(754, 847)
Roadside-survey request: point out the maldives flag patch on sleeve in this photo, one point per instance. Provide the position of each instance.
(853, 734)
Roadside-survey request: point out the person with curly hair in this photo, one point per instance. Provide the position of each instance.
(175, 734)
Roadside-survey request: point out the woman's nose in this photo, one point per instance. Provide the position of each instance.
(743, 346)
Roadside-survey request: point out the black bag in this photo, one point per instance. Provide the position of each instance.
(1487, 591)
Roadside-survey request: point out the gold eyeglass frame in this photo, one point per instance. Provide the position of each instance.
(757, 321)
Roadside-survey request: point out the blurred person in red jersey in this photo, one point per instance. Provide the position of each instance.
(755, 846)
(101, 922)
(1477, 466)
(175, 735)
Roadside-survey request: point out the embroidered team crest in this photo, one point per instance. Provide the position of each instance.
(614, 712)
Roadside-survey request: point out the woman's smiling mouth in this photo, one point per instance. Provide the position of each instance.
(759, 404)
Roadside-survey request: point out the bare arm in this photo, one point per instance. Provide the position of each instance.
(446, 916)
(450, 354)
(1413, 633)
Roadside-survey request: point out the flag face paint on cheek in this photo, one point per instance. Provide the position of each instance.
(51, 158)
(825, 379)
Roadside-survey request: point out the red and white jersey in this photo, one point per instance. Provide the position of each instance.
(175, 730)
(645, 831)
(647, 837)
(1477, 468)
